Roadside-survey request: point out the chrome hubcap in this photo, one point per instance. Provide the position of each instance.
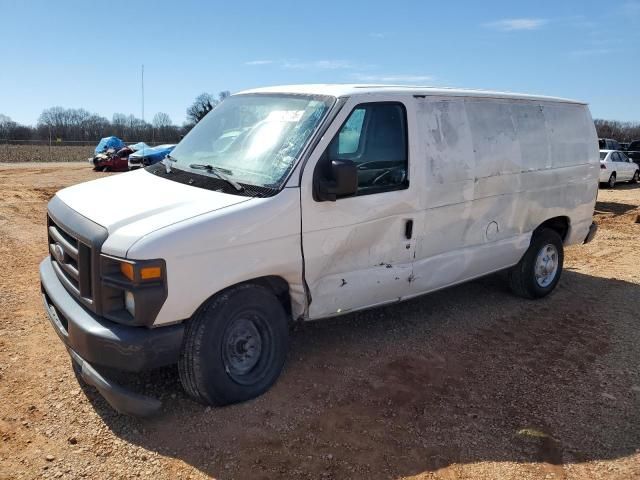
(546, 266)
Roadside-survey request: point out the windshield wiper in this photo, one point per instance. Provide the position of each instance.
(218, 172)
(166, 161)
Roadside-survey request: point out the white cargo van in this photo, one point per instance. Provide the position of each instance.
(305, 202)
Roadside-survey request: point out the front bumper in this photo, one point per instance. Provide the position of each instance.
(95, 342)
(123, 400)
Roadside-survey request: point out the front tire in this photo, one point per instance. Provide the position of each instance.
(634, 179)
(612, 181)
(539, 270)
(235, 347)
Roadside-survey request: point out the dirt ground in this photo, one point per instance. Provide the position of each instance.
(41, 152)
(466, 383)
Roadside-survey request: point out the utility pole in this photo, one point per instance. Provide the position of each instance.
(142, 84)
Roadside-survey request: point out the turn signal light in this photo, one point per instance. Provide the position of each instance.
(150, 273)
(127, 270)
(145, 273)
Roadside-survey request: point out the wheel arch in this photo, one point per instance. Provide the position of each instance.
(560, 225)
(274, 283)
(278, 286)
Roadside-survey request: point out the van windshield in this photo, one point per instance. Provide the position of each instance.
(254, 139)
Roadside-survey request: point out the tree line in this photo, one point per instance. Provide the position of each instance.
(77, 124)
(620, 131)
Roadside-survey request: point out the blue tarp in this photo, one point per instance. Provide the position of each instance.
(107, 143)
(139, 146)
(152, 154)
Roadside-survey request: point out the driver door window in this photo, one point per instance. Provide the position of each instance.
(374, 137)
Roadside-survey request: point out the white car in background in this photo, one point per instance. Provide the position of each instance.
(615, 167)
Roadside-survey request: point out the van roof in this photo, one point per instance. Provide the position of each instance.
(343, 90)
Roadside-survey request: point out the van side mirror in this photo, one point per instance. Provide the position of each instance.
(344, 181)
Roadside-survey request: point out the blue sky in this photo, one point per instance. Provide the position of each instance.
(88, 54)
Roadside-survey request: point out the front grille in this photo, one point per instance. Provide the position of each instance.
(71, 260)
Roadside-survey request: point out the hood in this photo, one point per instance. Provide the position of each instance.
(136, 203)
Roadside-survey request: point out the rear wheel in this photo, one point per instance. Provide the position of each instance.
(538, 272)
(235, 347)
(612, 181)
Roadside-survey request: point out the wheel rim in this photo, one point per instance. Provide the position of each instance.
(546, 266)
(242, 347)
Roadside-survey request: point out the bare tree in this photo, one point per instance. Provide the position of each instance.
(137, 129)
(78, 124)
(163, 128)
(161, 120)
(621, 131)
(71, 124)
(7, 126)
(203, 104)
(119, 124)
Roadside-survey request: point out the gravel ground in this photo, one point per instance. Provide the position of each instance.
(466, 383)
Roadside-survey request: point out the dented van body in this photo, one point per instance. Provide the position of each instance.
(306, 202)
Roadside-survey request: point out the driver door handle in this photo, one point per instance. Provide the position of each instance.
(408, 229)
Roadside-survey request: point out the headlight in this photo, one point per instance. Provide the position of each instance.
(133, 291)
(130, 303)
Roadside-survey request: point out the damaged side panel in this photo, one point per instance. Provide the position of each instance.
(484, 174)
(354, 265)
(356, 250)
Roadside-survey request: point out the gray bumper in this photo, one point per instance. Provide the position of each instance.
(93, 341)
(122, 400)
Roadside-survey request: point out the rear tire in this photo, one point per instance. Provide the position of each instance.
(235, 347)
(539, 270)
(612, 181)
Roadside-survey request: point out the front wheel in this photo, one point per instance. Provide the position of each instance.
(612, 181)
(538, 272)
(235, 347)
(634, 179)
